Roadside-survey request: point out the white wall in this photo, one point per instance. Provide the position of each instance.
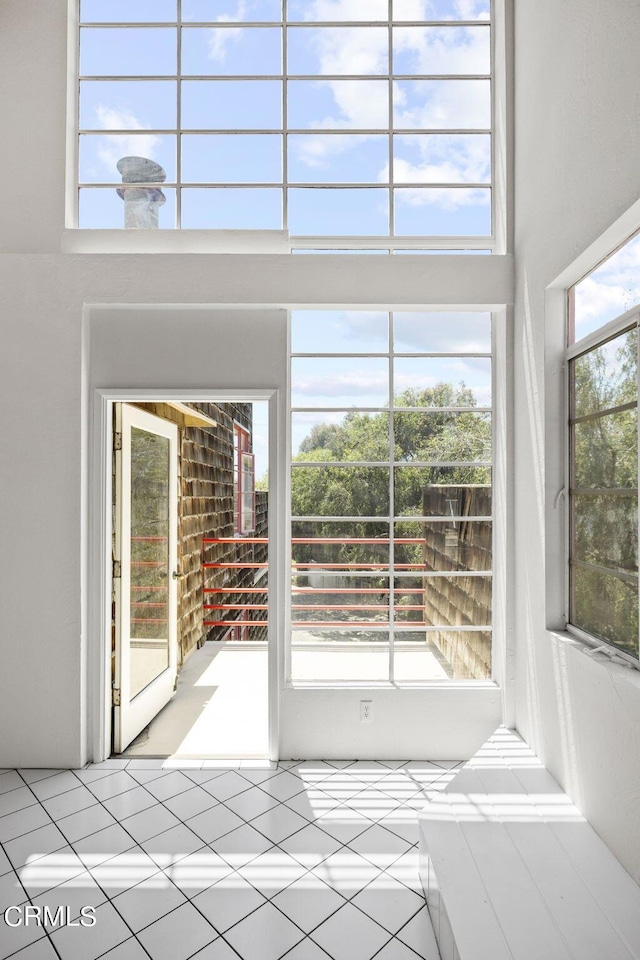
(45, 363)
(577, 147)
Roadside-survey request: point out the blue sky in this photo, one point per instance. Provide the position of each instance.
(346, 91)
(343, 382)
(609, 290)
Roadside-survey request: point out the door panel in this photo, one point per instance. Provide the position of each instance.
(146, 595)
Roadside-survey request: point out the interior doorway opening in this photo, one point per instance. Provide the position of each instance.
(190, 588)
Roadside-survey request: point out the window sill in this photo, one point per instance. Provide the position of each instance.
(622, 668)
(396, 685)
(175, 241)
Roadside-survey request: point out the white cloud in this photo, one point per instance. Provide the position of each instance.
(441, 159)
(116, 146)
(429, 10)
(346, 10)
(353, 384)
(220, 40)
(472, 9)
(361, 104)
(445, 198)
(446, 332)
(350, 50)
(418, 374)
(441, 105)
(442, 50)
(610, 290)
(317, 152)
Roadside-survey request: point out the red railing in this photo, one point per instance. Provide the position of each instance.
(390, 594)
(147, 588)
(258, 595)
(235, 565)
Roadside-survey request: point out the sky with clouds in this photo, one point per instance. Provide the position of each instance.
(609, 290)
(343, 87)
(341, 382)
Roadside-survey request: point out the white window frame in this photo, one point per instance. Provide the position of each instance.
(239, 472)
(502, 625)
(497, 242)
(620, 324)
(556, 434)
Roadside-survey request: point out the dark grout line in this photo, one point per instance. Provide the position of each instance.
(210, 847)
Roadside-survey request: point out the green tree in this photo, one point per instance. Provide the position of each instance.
(604, 499)
(437, 436)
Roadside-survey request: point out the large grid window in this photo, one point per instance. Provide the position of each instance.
(603, 451)
(391, 432)
(332, 119)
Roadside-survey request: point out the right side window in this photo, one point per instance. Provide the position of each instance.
(603, 451)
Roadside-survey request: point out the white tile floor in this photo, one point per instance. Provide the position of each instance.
(303, 861)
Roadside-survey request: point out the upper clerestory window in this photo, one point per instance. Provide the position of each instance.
(345, 122)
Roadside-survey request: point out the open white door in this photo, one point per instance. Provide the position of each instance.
(145, 569)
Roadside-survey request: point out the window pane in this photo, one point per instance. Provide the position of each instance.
(340, 436)
(149, 558)
(232, 158)
(606, 376)
(328, 10)
(455, 253)
(133, 51)
(609, 290)
(607, 607)
(339, 548)
(339, 331)
(127, 104)
(443, 381)
(443, 544)
(442, 332)
(442, 655)
(339, 382)
(213, 51)
(444, 601)
(331, 597)
(202, 11)
(102, 208)
(232, 104)
(442, 436)
(442, 104)
(339, 491)
(338, 104)
(441, 50)
(446, 213)
(442, 158)
(441, 9)
(334, 51)
(337, 158)
(99, 155)
(606, 451)
(337, 211)
(128, 11)
(339, 655)
(442, 491)
(232, 208)
(605, 531)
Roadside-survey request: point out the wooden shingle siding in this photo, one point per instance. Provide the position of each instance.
(459, 601)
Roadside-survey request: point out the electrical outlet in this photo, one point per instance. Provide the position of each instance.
(366, 711)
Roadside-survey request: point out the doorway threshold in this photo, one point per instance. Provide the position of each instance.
(218, 714)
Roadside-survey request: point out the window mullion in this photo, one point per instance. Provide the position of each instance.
(179, 119)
